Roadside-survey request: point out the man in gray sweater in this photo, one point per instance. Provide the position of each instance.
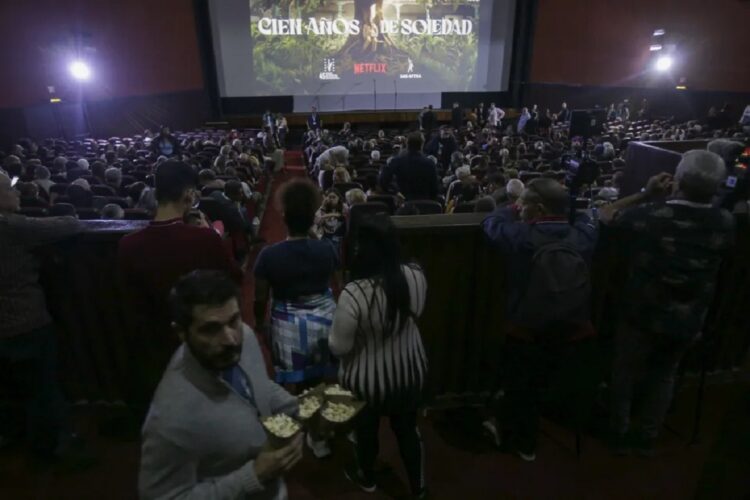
(203, 438)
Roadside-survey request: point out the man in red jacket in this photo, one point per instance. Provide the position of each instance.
(150, 262)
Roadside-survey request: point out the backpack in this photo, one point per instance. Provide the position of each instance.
(559, 288)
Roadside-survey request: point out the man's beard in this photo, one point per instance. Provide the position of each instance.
(227, 358)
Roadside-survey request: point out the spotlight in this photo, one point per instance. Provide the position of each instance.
(79, 70)
(654, 47)
(663, 63)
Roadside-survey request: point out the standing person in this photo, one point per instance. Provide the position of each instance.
(282, 129)
(457, 116)
(523, 120)
(165, 144)
(298, 272)
(678, 245)
(564, 115)
(27, 337)
(428, 121)
(203, 437)
(149, 263)
(481, 113)
(269, 121)
(495, 116)
(383, 362)
(549, 331)
(314, 123)
(416, 176)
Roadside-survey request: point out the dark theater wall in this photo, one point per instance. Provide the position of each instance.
(146, 62)
(605, 42)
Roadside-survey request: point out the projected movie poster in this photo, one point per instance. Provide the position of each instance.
(325, 46)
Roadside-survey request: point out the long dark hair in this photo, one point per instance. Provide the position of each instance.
(377, 256)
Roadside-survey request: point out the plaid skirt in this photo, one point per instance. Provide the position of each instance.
(299, 334)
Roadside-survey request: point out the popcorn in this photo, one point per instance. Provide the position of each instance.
(309, 406)
(281, 425)
(338, 412)
(336, 390)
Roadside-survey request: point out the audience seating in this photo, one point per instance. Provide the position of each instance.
(102, 190)
(86, 213)
(34, 211)
(464, 208)
(136, 214)
(387, 199)
(426, 207)
(62, 209)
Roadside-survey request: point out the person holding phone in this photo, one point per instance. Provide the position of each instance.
(678, 239)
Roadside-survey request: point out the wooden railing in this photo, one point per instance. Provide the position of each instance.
(461, 325)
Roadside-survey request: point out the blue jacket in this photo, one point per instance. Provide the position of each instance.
(513, 237)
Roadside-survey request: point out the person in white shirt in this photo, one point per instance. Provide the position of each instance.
(495, 116)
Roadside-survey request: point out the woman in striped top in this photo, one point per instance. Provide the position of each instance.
(383, 362)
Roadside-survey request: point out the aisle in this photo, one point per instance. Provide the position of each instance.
(271, 228)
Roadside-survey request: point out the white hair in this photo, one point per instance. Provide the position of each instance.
(375, 155)
(514, 188)
(700, 173)
(463, 171)
(83, 163)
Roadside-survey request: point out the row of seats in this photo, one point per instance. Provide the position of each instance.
(60, 209)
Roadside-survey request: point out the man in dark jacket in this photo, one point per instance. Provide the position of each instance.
(415, 175)
(457, 116)
(538, 358)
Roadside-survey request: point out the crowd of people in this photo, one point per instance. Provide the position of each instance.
(202, 387)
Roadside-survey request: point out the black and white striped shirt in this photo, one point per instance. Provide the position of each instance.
(386, 371)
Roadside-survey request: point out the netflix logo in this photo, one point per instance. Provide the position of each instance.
(362, 68)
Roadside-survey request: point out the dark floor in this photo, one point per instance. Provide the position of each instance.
(461, 465)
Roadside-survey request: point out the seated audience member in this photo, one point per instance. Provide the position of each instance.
(148, 201)
(485, 204)
(42, 178)
(113, 179)
(513, 191)
(79, 193)
(341, 175)
(203, 437)
(677, 248)
(207, 179)
(112, 211)
(414, 174)
(355, 196)
(14, 166)
(29, 192)
(375, 330)
(151, 260)
(27, 337)
(547, 324)
(374, 159)
(463, 176)
(99, 169)
(74, 171)
(329, 219)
